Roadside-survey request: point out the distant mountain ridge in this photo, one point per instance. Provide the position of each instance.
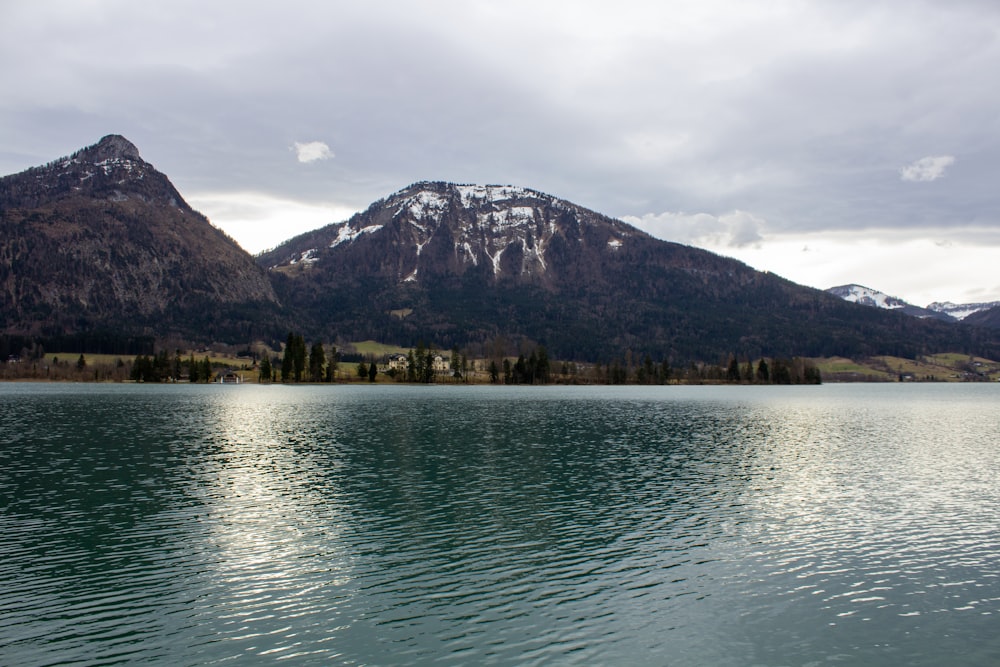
(102, 240)
(867, 296)
(960, 311)
(945, 310)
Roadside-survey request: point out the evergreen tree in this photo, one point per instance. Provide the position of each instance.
(781, 373)
(665, 372)
(206, 369)
(811, 375)
(81, 363)
(420, 359)
(428, 376)
(733, 371)
(293, 363)
(287, 360)
(317, 361)
(299, 360)
(494, 372)
(763, 372)
(362, 370)
(372, 371)
(193, 369)
(411, 367)
(618, 373)
(141, 368)
(542, 370)
(331, 368)
(520, 373)
(647, 371)
(265, 369)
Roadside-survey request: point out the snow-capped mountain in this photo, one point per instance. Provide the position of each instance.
(961, 310)
(866, 296)
(942, 310)
(502, 231)
(477, 265)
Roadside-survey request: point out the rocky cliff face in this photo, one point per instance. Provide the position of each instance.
(499, 235)
(100, 239)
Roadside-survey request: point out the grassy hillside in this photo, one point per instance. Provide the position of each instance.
(947, 367)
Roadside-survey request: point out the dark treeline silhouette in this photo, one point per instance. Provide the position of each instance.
(34, 347)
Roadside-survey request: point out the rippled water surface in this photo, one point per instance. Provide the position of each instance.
(384, 525)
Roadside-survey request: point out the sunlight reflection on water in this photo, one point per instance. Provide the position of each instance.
(388, 525)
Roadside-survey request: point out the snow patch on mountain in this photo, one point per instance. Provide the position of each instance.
(867, 296)
(347, 234)
(496, 260)
(474, 195)
(466, 247)
(307, 257)
(425, 205)
(945, 310)
(941, 310)
(961, 310)
(507, 217)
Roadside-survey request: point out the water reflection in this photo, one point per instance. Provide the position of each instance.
(388, 525)
(274, 515)
(862, 522)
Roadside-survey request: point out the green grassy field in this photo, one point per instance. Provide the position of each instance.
(90, 359)
(370, 347)
(947, 367)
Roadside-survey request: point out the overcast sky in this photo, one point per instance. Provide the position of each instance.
(829, 142)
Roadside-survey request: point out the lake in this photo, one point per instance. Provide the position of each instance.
(389, 525)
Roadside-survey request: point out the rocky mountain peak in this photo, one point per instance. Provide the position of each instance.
(432, 229)
(110, 147)
(102, 239)
(111, 169)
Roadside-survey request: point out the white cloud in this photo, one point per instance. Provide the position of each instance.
(926, 169)
(259, 221)
(918, 270)
(312, 151)
(735, 230)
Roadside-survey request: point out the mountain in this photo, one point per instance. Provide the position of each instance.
(942, 310)
(100, 240)
(960, 311)
(989, 318)
(490, 267)
(867, 296)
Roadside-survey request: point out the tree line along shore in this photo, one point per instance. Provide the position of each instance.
(295, 362)
(319, 363)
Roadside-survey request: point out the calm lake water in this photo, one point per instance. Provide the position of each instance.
(387, 525)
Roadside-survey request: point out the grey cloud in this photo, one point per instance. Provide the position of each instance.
(802, 114)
